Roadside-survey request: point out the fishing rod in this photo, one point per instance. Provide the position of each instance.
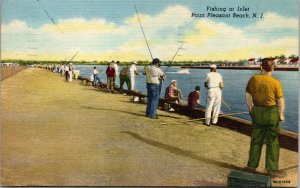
(85, 73)
(177, 51)
(48, 15)
(193, 120)
(143, 31)
(226, 104)
(237, 113)
(73, 57)
(174, 56)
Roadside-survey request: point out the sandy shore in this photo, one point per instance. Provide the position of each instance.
(57, 133)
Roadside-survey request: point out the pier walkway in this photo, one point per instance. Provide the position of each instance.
(55, 133)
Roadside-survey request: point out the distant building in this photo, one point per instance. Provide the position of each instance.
(294, 61)
(8, 64)
(254, 61)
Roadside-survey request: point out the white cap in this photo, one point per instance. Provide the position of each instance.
(173, 81)
(134, 62)
(213, 66)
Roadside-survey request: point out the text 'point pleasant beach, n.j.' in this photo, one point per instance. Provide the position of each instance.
(228, 12)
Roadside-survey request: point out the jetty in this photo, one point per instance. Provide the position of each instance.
(58, 133)
(7, 71)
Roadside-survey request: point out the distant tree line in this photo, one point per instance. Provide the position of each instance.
(174, 63)
(168, 63)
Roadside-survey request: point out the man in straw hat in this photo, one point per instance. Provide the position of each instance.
(153, 74)
(214, 85)
(264, 97)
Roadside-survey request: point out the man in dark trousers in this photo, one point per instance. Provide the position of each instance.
(153, 76)
(124, 77)
(264, 97)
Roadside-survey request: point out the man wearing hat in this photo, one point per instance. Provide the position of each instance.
(153, 75)
(132, 72)
(264, 97)
(173, 94)
(214, 85)
(71, 70)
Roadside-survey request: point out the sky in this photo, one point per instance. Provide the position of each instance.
(105, 30)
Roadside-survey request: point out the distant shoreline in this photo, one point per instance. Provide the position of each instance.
(243, 68)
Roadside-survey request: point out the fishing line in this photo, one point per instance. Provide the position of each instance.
(48, 15)
(143, 31)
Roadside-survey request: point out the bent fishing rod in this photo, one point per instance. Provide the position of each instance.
(73, 57)
(174, 56)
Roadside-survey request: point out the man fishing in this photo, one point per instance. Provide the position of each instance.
(173, 94)
(214, 85)
(153, 74)
(132, 72)
(67, 72)
(194, 97)
(124, 78)
(264, 98)
(96, 79)
(111, 74)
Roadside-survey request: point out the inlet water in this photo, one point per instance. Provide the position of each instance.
(234, 88)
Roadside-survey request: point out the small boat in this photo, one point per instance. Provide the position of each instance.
(181, 71)
(184, 71)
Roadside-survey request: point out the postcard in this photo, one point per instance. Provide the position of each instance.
(149, 93)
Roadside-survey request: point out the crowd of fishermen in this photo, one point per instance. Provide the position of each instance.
(67, 70)
(264, 98)
(126, 75)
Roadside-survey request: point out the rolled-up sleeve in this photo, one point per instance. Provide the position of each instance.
(278, 90)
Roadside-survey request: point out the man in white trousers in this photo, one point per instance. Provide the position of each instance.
(116, 65)
(214, 85)
(132, 72)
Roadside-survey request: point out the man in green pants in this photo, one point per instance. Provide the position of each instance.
(264, 97)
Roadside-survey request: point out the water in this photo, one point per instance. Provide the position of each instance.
(234, 88)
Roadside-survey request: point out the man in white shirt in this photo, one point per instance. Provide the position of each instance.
(96, 79)
(117, 68)
(214, 85)
(132, 72)
(71, 72)
(67, 72)
(153, 75)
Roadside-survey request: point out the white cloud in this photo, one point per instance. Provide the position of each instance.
(206, 39)
(14, 26)
(81, 25)
(272, 20)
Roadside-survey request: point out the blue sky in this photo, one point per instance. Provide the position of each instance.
(114, 14)
(115, 10)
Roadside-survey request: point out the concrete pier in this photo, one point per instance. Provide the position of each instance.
(56, 133)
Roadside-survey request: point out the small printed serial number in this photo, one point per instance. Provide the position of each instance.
(281, 181)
